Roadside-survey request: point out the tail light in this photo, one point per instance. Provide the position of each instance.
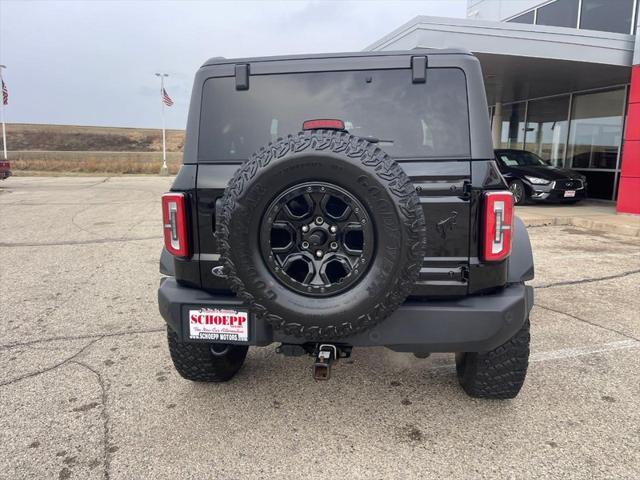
(498, 225)
(174, 221)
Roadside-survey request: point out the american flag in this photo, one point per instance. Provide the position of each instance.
(5, 94)
(165, 97)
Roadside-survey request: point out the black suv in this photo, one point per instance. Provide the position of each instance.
(333, 201)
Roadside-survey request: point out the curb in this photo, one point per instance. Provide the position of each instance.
(588, 223)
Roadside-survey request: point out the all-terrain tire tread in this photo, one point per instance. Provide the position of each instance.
(498, 373)
(195, 362)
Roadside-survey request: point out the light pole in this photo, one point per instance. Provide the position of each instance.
(4, 130)
(164, 170)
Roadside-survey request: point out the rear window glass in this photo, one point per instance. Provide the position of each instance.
(410, 119)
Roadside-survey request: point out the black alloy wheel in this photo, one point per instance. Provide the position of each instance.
(317, 239)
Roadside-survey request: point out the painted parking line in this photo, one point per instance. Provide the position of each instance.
(584, 350)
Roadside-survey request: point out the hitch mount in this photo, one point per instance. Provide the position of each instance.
(326, 354)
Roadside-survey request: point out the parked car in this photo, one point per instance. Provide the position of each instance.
(530, 178)
(327, 202)
(5, 169)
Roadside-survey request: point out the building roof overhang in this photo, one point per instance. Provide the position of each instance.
(524, 61)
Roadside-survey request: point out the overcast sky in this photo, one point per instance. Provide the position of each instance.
(92, 62)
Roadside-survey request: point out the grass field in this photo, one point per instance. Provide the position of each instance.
(116, 163)
(60, 149)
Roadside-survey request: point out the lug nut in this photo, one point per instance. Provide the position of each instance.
(319, 253)
(305, 228)
(305, 245)
(334, 245)
(333, 229)
(319, 220)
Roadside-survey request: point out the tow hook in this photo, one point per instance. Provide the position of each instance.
(326, 355)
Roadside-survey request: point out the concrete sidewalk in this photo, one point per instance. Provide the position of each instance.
(594, 215)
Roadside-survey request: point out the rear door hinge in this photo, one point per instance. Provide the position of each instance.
(466, 190)
(464, 273)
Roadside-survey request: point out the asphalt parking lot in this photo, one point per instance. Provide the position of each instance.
(87, 389)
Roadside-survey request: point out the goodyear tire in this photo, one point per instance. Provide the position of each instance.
(378, 196)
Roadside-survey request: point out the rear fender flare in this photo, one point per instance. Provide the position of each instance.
(166, 264)
(520, 266)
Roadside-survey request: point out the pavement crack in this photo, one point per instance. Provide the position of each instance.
(104, 180)
(69, 338)
(79, 227)
(134, 225)
(588, 280)
(52, 367)
(79, 242)
(542, 225)
(106, 419)
(593, 324)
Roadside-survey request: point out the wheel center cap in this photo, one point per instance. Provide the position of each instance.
(318, 237)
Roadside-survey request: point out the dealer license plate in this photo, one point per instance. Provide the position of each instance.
(219, 324)
(570, 193)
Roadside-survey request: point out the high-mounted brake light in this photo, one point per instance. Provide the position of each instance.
(323, 123)
(174, 221)
(497, 225)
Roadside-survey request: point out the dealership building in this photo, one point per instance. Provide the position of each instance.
(562, 80)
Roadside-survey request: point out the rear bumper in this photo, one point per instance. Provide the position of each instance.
(470, 324)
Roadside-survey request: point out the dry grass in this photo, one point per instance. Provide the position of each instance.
(59, 149)
(93, 162)
(37, 137)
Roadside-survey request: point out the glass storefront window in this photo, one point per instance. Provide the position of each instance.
(524, 18)
(588, 141)
(561, 13)
(595, 135)
(512, 131)
(607, 15)
(547, 128)
(595, 132)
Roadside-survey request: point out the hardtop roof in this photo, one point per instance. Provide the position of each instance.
(318, 56)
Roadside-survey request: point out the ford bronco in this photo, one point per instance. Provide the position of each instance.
(327, 202)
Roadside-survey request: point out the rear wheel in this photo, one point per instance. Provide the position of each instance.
(203, 362)
(519, 193)
(499, 373)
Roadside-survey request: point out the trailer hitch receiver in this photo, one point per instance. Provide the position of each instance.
(325, 356)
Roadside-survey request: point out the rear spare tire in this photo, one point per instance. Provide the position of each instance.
(321, 234)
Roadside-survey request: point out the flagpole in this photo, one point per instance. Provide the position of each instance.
(165, 169)
(4, 129)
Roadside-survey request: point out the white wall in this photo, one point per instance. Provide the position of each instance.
(499, 9)
(636, 53)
